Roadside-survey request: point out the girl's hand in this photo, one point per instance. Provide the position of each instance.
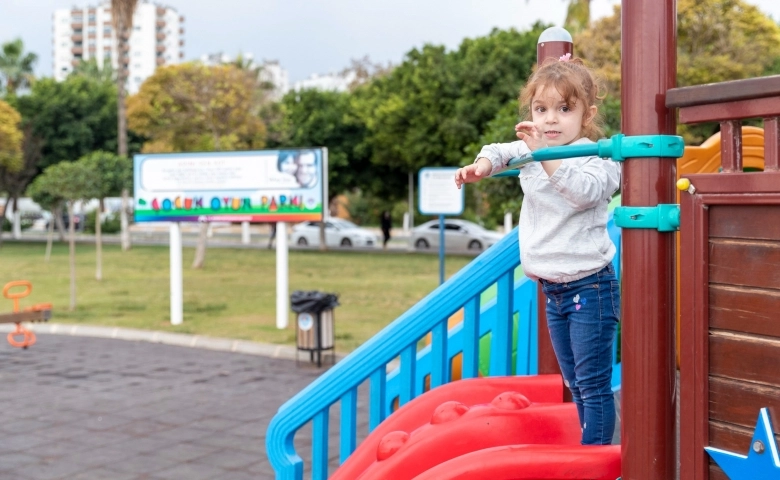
(471, 173)
(527, 132)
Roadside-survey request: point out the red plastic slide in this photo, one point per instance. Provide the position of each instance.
(531, 462)
(469, 392)
(456, 429)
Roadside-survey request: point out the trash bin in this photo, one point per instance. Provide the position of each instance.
(315, 322)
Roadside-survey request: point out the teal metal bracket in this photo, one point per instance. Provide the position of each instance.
(618, 147)
(664, 217)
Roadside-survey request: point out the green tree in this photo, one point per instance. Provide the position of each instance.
(111, 175)
(72, 118)
(192, 107)
(10, 138)
(49, 199)
(326, 118)
(489, 200)
(16, 66)
(19, 155)
(11, 156)
(70, 181)
(722, 40)
(433, 108)
(122, 19)
(90, 69)
(577, 16)
(717, 41)
(410, 113)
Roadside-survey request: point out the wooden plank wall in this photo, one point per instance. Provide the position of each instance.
(744, 312)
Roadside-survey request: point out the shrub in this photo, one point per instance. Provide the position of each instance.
(111, 224)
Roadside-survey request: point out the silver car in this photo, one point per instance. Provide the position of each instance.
(338, 233)
(458, 235)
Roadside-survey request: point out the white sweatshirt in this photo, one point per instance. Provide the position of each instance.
(563, 221)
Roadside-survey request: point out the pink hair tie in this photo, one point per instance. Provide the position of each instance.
(565, 58)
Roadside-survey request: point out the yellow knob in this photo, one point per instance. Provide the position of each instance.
(683, 184)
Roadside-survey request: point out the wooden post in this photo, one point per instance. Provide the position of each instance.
(553, 42)
(648, 358)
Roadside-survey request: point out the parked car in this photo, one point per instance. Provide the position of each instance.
(78, 222)
(458, 235)
(338, 233)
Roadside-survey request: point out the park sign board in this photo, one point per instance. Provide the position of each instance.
(251, 186)
(438, 193)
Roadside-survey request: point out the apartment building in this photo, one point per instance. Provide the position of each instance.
(268, 71)
(337, 82)
(83, 33)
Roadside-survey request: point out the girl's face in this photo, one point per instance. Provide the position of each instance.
(558, 122)
(288, 166)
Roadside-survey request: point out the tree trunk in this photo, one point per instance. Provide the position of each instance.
(125, 222)
(72, 241)
(59, 223)
(200, 249)
(16, 228)
(3, 217)
(99, 242)
(323, 246)
(410, 247)
(49, 239)
(121, 77)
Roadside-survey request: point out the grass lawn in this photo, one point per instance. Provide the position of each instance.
(233, 296)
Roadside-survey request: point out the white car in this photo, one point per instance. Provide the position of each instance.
(338, 233)
(458, 235)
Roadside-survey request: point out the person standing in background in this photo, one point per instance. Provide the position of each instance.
(271, 234)
(386, 222)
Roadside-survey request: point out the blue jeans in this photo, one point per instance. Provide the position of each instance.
(582, 317)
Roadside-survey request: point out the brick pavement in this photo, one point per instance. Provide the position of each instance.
(99, 408)
(86, 407)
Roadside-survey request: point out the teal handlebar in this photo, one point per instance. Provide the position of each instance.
(618, 147)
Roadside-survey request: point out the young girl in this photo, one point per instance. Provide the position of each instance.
(563, 236)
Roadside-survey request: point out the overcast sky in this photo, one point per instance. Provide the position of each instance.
(316, 36)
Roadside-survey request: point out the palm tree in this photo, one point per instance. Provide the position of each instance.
(90, 69)
(16, 66)
(577, 16)
(246, 63)
(122, 17)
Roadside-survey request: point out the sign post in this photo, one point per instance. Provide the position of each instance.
(177, 280)
(249, 187)
(439, 196)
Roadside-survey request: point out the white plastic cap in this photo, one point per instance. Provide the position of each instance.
(555, 34)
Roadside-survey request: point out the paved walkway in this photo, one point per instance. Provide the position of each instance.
(100, 408)
(114, 404)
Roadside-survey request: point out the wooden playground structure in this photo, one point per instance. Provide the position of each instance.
(729, 278)
(729, 290)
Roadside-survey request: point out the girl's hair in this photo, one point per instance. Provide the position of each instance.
(575, 82)
(284, 156)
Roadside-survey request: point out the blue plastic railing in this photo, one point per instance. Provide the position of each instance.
(525, 312)
(369, 362)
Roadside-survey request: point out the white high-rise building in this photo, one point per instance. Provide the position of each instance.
(269, 71)
(277, 76)
(338, 82)
(83, 33)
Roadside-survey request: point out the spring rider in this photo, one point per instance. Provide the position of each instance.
(21, 337)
